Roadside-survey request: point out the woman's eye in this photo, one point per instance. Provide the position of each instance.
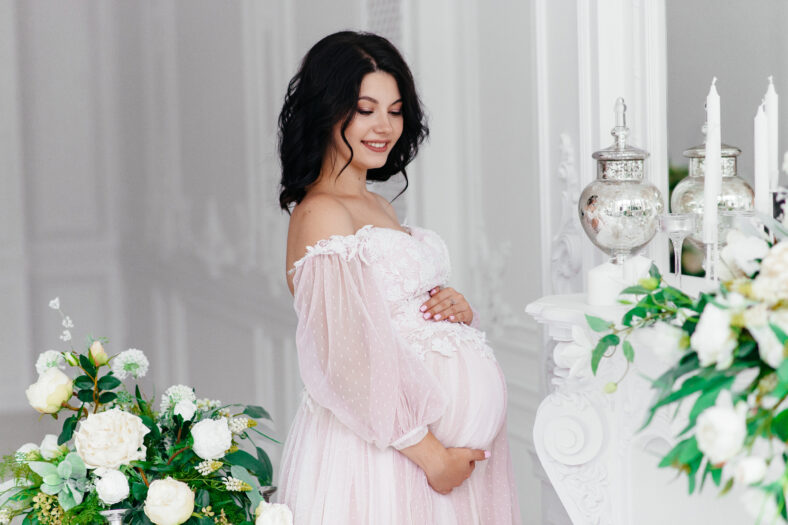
(364, 111)
(396, 112)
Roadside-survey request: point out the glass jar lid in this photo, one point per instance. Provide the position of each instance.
(620, 161)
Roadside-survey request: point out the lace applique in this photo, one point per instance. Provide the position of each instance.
(346, 246)
(445, 338)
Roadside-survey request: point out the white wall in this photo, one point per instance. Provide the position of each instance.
(739, 45)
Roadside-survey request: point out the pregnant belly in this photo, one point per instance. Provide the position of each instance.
(475, 386)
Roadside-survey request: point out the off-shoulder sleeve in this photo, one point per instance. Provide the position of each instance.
(351, 359)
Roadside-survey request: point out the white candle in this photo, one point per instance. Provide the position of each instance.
(763, 198)
(772, 116)
(712, 165)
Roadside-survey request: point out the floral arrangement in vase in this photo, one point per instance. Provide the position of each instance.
(728, 373)
(119, 459)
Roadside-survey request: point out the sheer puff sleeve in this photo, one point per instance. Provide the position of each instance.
(351, 359)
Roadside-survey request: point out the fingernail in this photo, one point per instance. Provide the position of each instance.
(486, 454)
(427, 315)
(451, 317)
(423, 308)
(437, 317)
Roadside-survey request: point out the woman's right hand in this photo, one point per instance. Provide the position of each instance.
(446, 468)
(455, 467)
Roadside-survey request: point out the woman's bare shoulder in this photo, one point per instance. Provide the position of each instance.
(386, 205)
(315, 218)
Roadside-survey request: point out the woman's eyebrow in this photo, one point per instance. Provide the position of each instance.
(374, 101)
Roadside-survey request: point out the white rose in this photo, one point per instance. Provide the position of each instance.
(212, 438)
(98, 354)
(52, 389)
(112, 487)
(185, 409)
(50, 449)
(721, 429)
(713, 338)
(664, 340)
(110, 439)
(750, 470)
(771, 285)
(739, 254)
(169, 502)
(273, 514)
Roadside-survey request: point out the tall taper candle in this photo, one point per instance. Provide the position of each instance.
(712, 165)
(763, 196)
(773, 116)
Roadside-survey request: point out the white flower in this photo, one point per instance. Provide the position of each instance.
(98, 354)
(662, 339)
(238, 424)
(5, 516)
(110, 439)
(169, 502)
(721, 429)
(771, 285)
(769, 347)
(208, 404)
(208, 466)
(50, 449)
(236, 485)
(67, 322)
(174, 395)
(55, 303)
(186, 409)
(52, 389)
(212, 438)
(27, 452)
(739, 255)
(50, 359)
(132, 361)
(273, 514)
(66, 335)
(713, 338)
(112, 487)
(750, 470)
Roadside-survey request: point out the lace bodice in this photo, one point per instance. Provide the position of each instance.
(407, 266)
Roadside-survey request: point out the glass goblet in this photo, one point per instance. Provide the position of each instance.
(677, 226)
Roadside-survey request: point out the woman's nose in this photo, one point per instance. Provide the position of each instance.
(383, 125)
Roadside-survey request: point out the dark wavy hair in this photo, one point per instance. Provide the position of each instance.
(325, 92)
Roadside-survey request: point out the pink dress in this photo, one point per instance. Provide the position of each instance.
(377, 377)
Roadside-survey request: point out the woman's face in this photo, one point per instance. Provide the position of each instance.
(376, 125)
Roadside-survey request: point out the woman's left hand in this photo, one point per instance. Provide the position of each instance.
(447, 304)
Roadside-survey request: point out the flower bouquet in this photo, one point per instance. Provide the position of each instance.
(118, 459)
(727, 354)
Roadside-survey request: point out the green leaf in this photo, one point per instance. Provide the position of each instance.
(256, 412)
(78, 468)
(782, 372)
(139, 491)
(106, 397)
(86, 396)
(108, 382)
(63, 470)
(597, 324)
(241, 473)
(42, 468)
(654, 272)
(629, 352)
(265, 461)
(66, 499)
(202, 498)
(83, 381)
(637, 311)
(707, 399)
(780, 425)
(599, 351)
(690, 451)
(87, 365)
(68, 430)
(635, 290)
(781, 335)
(250, 463)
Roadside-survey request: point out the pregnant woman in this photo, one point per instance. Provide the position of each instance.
(403, 418)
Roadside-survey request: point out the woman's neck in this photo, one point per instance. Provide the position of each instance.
(350, 182)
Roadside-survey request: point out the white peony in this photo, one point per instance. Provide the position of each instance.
(132, 361)
(662, 339)
(750, 470)
(273, 514)
(169, 502)
(50, 449)
(27, 452)
(713, 338)
(721, 429)
(112, 486)
(110, 439)
(185, 409)
(212, 438)
(739, 255)
(769, 347)
(771, 285)
(52, 389)
(50, 359)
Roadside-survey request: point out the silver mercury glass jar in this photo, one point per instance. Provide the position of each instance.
(620, 211)
(735, 193)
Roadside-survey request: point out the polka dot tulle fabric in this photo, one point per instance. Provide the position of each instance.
(377, 377)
